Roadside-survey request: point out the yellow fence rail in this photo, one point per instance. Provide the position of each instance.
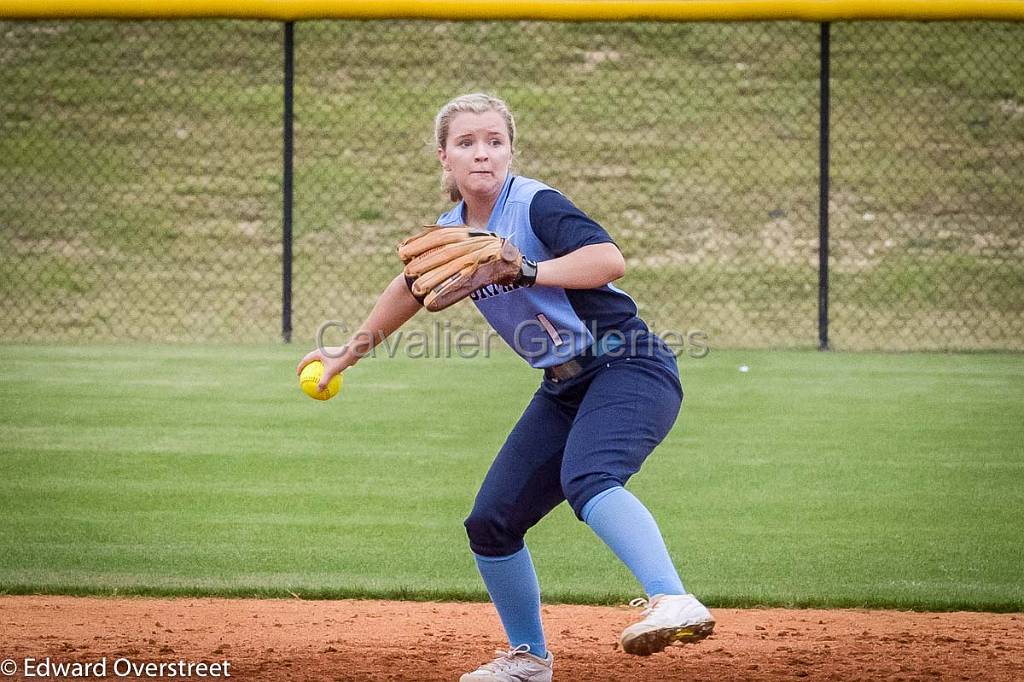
(550, 10)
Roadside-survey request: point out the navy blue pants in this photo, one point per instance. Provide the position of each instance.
(576, 439)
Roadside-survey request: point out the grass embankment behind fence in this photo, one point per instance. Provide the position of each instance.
(141, 167)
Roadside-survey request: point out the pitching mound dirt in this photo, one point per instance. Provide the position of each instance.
(408, 641)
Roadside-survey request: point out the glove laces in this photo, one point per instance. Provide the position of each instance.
(505, 660)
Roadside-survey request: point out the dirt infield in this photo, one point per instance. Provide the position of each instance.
(374, 640)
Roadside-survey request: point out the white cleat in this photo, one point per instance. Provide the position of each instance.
(668, 619)
(514, 665)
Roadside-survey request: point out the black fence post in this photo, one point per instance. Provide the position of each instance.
(823, 192)
(286, 258)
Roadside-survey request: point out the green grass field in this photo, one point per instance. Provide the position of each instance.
(813, 479)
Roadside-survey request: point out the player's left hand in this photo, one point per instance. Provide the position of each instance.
(444, 265)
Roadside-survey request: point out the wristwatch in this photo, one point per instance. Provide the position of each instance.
(527, 273)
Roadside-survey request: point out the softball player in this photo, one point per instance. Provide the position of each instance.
(610, 393)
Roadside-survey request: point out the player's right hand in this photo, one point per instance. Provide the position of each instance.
(333, 359)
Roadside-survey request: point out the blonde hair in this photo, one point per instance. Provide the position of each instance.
(477, 103)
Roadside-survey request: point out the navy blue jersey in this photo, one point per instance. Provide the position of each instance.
(547, 325)
(564, 228)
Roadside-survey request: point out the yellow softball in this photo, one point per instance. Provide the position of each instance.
(310, 377)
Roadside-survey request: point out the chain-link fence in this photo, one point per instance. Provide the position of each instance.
(140, 172)
(927, 202)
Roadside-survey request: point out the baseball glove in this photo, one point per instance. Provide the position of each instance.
(444, 265)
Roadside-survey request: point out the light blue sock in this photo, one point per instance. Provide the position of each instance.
(512, 583)
(626, 526)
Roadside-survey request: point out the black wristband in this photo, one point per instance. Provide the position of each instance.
(527, 273)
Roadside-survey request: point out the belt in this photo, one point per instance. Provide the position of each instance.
(573, 368)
